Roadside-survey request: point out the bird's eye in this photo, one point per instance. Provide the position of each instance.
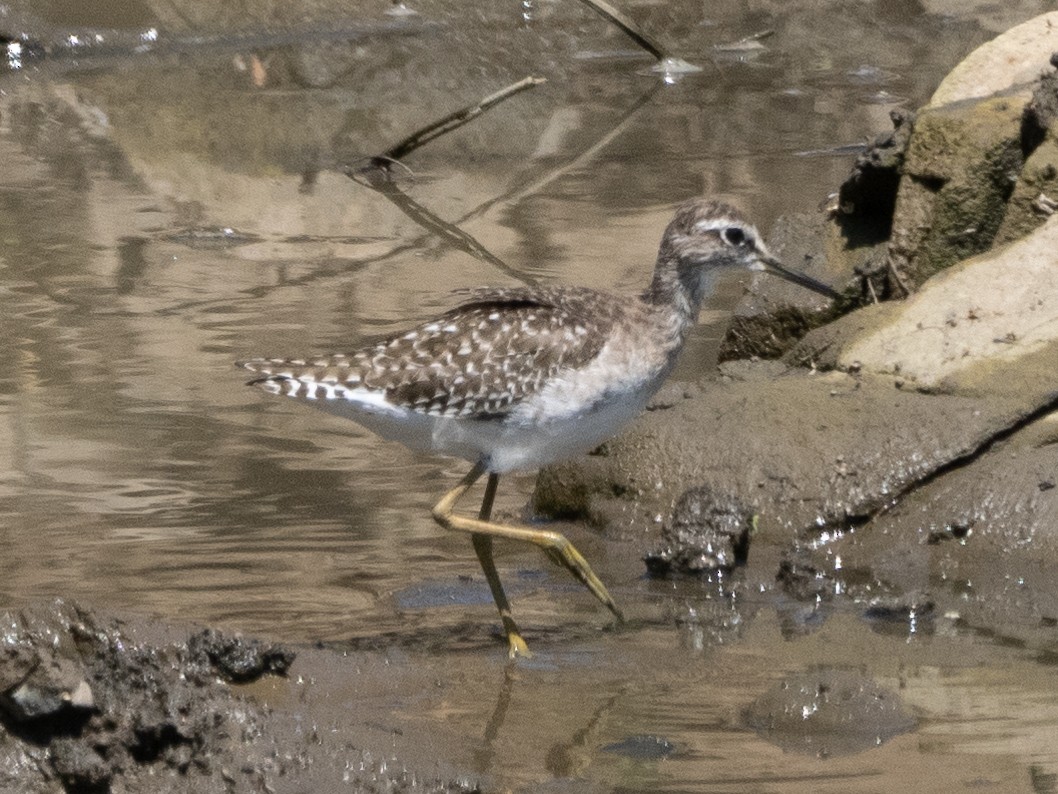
(733, 235)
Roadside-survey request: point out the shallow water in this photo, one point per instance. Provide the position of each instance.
(140, 474)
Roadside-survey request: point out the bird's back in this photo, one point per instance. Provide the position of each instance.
(477, 361)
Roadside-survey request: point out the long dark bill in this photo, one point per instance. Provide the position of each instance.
(776, 267)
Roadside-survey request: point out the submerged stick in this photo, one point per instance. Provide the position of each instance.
(630, 27)
(749, 42)
(377, 174)
(449, 231)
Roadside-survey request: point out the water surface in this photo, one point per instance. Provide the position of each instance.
(166, 212)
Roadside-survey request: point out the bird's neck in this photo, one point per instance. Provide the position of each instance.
(677, 292)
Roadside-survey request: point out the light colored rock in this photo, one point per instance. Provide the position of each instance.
(1013, 58)
(994, 308)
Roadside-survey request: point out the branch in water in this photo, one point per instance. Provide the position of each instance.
(628, 26)
(458, 119)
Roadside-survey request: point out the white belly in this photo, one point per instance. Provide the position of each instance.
(506, 444)
(564, 437)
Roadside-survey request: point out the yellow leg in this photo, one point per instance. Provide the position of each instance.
(516, 646)
(554, 544)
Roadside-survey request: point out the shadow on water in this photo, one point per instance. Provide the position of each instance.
(172, 205)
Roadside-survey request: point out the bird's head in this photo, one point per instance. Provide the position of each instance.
(706, 238)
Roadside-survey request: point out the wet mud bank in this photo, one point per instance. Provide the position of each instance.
(898, 460)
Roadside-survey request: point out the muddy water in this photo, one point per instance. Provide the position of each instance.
(166, 212)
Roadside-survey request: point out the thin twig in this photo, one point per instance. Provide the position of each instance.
(870, 289)
(457, 119)
(376, 175)
(628, 26)
(752, 38)
(897, 277)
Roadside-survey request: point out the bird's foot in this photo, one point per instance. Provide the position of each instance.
(563, 553)
(517, 647)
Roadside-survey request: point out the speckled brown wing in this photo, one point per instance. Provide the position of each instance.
(478, 360)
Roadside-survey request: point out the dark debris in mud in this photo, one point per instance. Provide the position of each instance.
(803, 578)
(766, 335)
(1041, 114)
(238, 660)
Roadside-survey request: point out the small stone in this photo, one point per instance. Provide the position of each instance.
(81, 697)
(54, 687)
(828, 712)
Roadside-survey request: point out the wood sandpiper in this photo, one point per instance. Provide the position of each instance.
(519, 377)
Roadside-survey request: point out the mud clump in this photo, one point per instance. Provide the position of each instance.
(92, 705)
(237, 660)
(707, 533)
(82, 704)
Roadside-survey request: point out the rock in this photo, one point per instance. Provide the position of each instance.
(966, 183)
(959, 333)
(1015, 57)
(41, 686)
(55, 689)
(960, 168)
(1035, 195)
(973, 168)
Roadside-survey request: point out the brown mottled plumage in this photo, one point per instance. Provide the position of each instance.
(519, 377)
(476, 360)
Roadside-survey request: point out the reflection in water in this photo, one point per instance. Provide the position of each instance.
(139, 472)
(569, 758)
(448, 232)
(118, 338)
(483, 756)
